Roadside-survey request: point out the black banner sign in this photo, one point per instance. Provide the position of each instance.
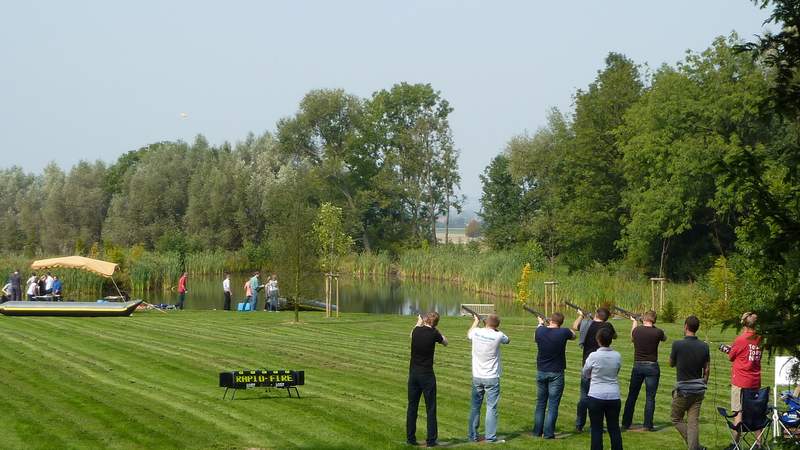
(246, 379)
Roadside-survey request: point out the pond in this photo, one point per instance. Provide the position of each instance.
(368, 295)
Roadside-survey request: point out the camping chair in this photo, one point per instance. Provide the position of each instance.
(756, 419)
(789, 421)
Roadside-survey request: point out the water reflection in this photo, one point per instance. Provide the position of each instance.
(380, 296)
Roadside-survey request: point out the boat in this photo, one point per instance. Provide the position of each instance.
(74, 309)
(67, 308)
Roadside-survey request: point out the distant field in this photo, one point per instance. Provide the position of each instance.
(456, 235)
(150, 381)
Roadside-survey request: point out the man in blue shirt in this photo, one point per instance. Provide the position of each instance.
(57, 288)
(551, 362)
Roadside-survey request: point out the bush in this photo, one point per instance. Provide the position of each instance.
(533, 254)
(669, 313)
(473, 229)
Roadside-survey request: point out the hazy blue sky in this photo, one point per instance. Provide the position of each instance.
(89, 80)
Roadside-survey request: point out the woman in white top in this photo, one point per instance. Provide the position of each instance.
(33, 287)
(602, 370)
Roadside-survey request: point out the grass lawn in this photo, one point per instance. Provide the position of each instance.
(150, 381)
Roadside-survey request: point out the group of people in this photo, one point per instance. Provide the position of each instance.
(600, 393)
(251, 288)
(36, 286)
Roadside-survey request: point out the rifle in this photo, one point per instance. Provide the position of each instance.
(628, 313)
(534, 312)
(474, 314)
(578, 308)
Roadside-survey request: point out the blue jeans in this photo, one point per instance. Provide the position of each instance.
(491, 388)
(580, 419)
(253, 301)
(649, 373)
(549, 387)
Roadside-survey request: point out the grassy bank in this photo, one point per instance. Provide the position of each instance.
(150, 381)
(498, 272)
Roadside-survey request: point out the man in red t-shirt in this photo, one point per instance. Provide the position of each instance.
(182, 289)
(745, 354)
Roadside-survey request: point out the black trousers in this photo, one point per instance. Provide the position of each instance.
(227, 305)
(610, 410)
(421, 384)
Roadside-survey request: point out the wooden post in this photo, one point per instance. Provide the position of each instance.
(660, 288)
(550, 297)
(327, 295)
(337, 296)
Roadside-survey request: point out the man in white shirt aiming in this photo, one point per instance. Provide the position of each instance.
(486, 371)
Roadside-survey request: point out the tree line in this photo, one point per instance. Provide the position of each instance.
(634, 173)
(389, 162)
(689, 171)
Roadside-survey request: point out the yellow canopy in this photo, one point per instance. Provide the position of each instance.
(103, 268)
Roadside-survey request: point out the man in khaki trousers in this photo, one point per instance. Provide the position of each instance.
(690, 357)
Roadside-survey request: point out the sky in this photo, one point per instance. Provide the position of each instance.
(94, 79)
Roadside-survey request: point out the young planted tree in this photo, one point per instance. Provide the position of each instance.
(292, 195)
(332, 244)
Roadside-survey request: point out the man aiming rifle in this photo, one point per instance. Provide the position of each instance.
(646, 338)
(421, 379)
(551, 362)
(588, 327)
(486, 371)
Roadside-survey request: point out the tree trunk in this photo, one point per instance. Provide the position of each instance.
(447, 221)
(664, 256)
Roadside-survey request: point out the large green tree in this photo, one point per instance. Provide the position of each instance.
(594, 178)
(690, 118)
(503, 206)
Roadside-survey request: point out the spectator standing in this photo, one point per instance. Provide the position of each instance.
(421, 378)
(745, 354)
(32, 287)
(603, 401)
(42, 284)
(6, 293)
(182, 289)
(588, 327)
(551, 362)
(272, 293)
(226, 292)
(486, 371)
(48, 284)
(57, 287)
(691, 359)
(646, 339)
(16, 286)
(254, 286)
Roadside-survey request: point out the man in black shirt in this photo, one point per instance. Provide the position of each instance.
(645, 368)
(551, 362)
(16, 286)
(691, 358)
(588, 328)
(421, 379)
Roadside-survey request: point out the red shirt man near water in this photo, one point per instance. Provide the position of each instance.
(745, 354)
(182, 289)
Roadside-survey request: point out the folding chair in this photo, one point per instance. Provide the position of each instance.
(756, 419)
(788, 422)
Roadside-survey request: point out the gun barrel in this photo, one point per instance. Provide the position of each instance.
(471, 312)
(534, 312)
(627, 313)
(578, 308)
